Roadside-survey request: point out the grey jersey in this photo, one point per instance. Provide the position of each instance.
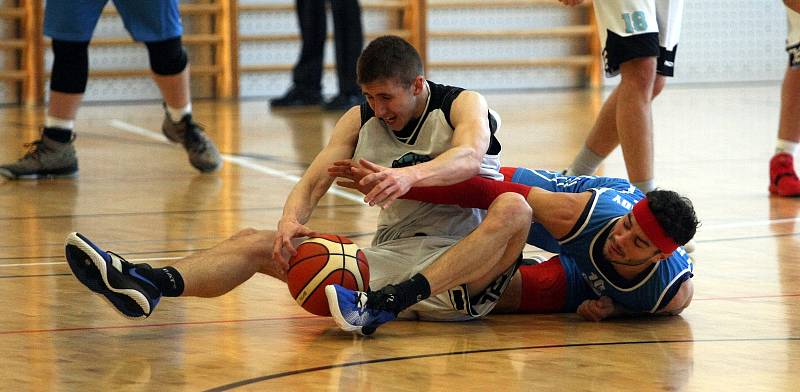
(422, 140)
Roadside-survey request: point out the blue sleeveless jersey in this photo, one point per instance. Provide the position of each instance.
(589, 275)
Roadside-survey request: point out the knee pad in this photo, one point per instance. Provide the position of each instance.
(70, 66)
(167, 57)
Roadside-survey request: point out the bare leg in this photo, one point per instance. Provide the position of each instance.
(64, 105)
(603, 139)
(220, 269)
(174, 88)
(512, 296)
(789, 126)
(634, 117)
(485, 253)
(605, 135)
(782, 174)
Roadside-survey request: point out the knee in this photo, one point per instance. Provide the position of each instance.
(244, 233)
(70, 66)
(167, 57)
(510, 210)
(639, 74)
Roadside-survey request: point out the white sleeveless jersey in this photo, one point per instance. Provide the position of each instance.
(422, 141)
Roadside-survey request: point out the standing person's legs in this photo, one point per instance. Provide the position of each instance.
(307, 73)
(783, 177)
(635, 121)
(157, 23)
(632, 33)
(70, 26)
(349, 41)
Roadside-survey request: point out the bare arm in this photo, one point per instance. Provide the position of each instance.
(469, 116)
(557, 212)
(680, 301)
(315, 182)
(604, 308)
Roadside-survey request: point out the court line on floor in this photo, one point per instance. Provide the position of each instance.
(752, 223)
(161, 325)
(274, 376)
(241, 161)
(64, 262)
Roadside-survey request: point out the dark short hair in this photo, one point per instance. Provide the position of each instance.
(675, 214)
(389, 57)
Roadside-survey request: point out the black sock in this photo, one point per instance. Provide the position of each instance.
(397, 298)
(60, 135)
(168, 280)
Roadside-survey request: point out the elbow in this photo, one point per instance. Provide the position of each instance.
(682, 299)
(475, 162)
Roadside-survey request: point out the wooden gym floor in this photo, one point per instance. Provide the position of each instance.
(138, 196)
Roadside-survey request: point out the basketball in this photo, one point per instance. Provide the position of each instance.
(323, 260)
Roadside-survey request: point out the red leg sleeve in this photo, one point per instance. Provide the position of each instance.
(544, 287)
(507, 172)
(477, 192)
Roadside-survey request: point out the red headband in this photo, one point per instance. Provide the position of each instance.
(651, 228)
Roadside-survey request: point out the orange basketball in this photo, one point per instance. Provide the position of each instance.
(323, 260)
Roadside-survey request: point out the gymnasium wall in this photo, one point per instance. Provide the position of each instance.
(721, 41)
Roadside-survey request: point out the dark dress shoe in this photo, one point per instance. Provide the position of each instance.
(296, 98)
(344, 102)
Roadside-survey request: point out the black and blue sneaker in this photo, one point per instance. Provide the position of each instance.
(352, 313)
(108, 274)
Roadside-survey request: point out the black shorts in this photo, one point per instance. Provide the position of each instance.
(618, 49)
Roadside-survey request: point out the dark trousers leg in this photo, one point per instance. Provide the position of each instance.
(307, 75)
(349, 40)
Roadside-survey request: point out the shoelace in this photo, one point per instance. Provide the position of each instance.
(34, 149)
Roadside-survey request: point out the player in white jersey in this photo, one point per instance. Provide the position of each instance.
(430, 135)
(639, 39)
(783, 179)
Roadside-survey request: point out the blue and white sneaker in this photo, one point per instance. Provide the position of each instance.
(351, 313)
(108, 274)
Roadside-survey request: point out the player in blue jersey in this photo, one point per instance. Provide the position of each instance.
(618, 251)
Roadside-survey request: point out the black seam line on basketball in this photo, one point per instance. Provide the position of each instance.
(342, 268)
(323, 252)
(481, 351)
(114, 214)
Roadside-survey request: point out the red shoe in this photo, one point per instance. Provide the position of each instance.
(783, 179)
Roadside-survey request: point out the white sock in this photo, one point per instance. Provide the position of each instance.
(646, 186)
(55, 122)
(585, 163)
(176, 114)
(786, 146)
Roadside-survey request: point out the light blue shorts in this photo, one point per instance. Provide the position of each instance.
(145, 20)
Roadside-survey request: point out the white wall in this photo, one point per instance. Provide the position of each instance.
(721, 41)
